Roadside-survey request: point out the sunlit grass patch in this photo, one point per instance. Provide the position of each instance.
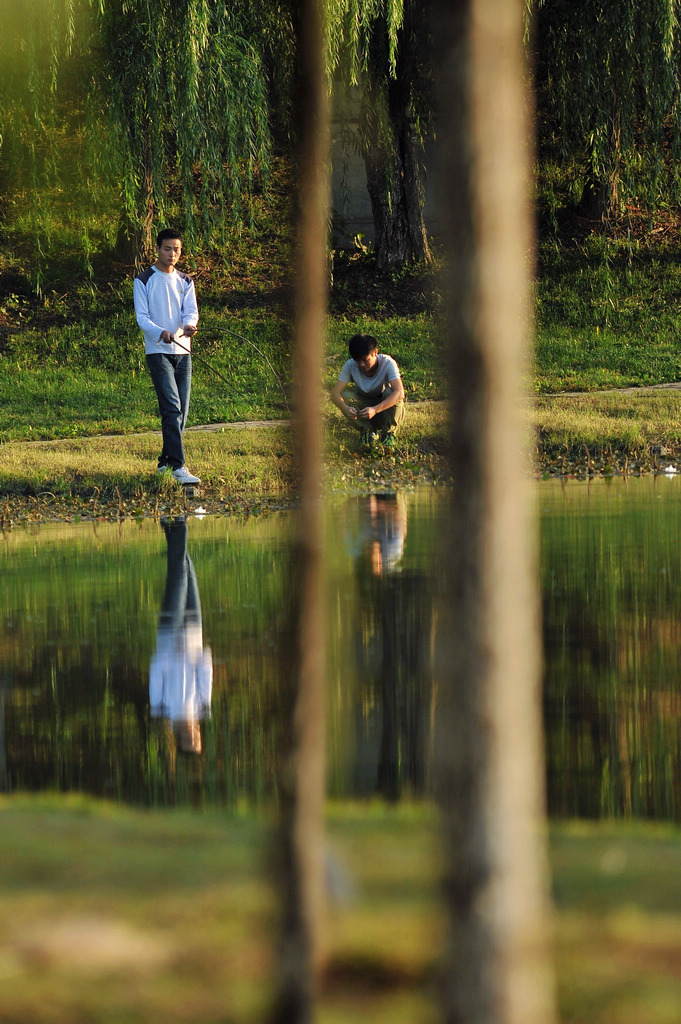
(233, 461)
(246, 460)
(630, 426)
(86, 885)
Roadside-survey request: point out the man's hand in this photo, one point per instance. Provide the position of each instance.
(167, 337)
(189, 329)
(349, 412)
(367, 413)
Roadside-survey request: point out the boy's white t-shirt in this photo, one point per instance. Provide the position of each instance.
(387, 370)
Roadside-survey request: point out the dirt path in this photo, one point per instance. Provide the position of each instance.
(646, 389)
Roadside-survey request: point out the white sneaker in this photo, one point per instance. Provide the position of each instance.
(183, 476)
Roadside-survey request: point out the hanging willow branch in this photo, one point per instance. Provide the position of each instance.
(171, 99)
(609, 83)
(187, 99)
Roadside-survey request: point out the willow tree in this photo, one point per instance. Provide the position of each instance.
(42, 44)
(36, 41)
(381, 47)
(172, 100)
(186, 95)
(609, 79)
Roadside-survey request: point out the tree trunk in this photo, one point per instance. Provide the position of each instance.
(391, 160)
(303, 780)
(4, 776)
(396, 194)
(490, 760)
(600, 195)
(135, 238)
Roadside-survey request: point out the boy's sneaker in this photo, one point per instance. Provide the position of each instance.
(164, 469)
(183, 476)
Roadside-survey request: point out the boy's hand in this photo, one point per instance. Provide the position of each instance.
(189, 329)
(167, 337)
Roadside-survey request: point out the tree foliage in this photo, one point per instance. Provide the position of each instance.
(43, 53)
(353, 29)
(174, 96)
(609, 81)
(187, 99)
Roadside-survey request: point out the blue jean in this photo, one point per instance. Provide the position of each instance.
(172, 377)
(181, 605)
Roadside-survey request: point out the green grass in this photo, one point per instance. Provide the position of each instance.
(110, 914)
(607, 432)
(240, 467)
(69, 381)
(607, 315)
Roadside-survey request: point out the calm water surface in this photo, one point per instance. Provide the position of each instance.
(611, 584)
(139, 661)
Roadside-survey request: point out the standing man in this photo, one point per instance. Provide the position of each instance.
(166, 309)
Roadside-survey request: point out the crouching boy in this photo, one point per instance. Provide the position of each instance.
(377, 403)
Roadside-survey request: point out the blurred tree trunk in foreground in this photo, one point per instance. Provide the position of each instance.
(490, 757)
(302, 784)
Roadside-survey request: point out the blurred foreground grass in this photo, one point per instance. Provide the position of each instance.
(108, 914)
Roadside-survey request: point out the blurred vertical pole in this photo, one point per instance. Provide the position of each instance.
(4, 778)
(490, 755)
(303, 781)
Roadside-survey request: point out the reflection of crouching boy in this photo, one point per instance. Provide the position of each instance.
(377, 403)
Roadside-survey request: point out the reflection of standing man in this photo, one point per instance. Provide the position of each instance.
(181, 671)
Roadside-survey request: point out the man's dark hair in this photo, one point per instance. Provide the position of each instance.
(360, 345)
(166, 235)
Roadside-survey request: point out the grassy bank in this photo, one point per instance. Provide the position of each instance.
(242, 468)
(601, 433)
(608, 313)
(246, 467)
(77, 380)
(112, 914)
(607, 316)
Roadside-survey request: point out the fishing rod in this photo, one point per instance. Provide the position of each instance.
(179, 333)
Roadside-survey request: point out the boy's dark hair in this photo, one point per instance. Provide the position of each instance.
(167, 234)
(360, 345)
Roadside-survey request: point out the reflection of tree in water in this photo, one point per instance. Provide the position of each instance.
(393, 631)
(75, 646)
(77, 724)
(612, 707)
(79, 717)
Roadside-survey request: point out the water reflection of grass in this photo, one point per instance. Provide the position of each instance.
(109, 914)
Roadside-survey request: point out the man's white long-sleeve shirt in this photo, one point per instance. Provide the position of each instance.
(164, 302)
(181, 675)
